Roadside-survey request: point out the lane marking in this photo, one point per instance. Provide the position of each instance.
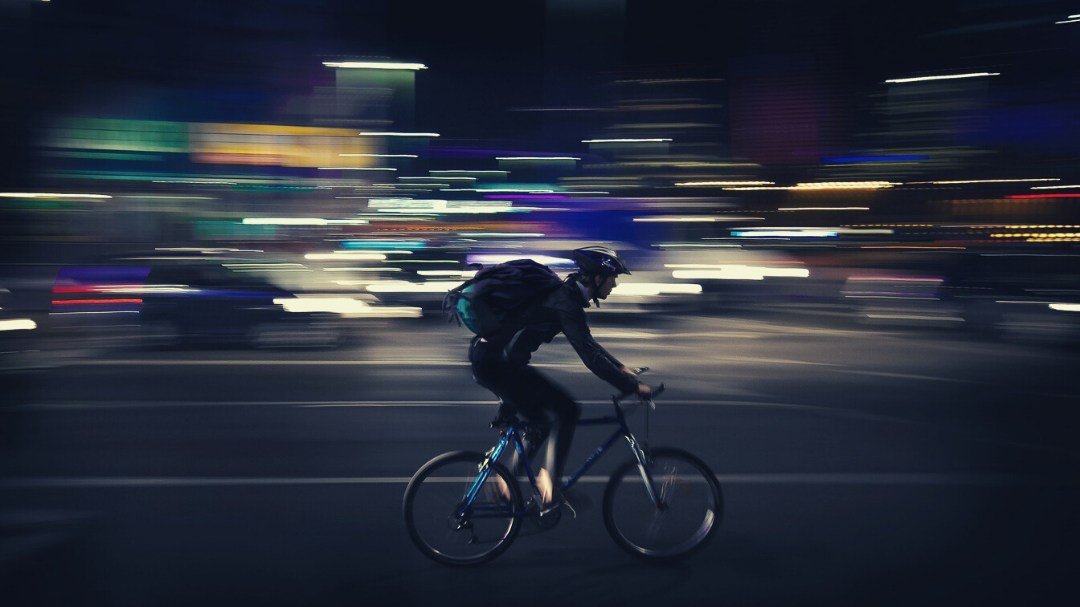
(403, 363)
(915, 377)
(316, 404)
(108, 482)
(256, 362)
(771, 361)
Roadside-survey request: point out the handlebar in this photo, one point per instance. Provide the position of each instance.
(657, 392)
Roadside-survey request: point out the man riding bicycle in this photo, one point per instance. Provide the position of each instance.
(500, 362)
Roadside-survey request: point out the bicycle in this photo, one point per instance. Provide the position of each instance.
(663, 504)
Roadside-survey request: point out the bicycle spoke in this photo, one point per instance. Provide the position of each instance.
(686, 516)
(449, 529)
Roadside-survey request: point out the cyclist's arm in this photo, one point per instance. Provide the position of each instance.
(602, 364)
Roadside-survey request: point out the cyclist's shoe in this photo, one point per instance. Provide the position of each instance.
(576, 500)
(558, 500)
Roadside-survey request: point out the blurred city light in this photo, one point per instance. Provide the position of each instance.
(375, 65)
(17, 324)
(396, 134)
(945, 77)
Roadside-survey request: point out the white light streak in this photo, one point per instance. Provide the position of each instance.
(344, 256)
(785, 233)
(347, 307)
(402, 286)
(1071, 20)
(985, 181)
(454, 273)
(49, 195)
(467, 171)
(639, 289)
(339, 305)
(492, 259)
(171, 197)
(1053, 187)
(149, 289)
(410, 205)
(510, 190)
(396, 134)
(17, 324)
(623, 140)
(723, 183)
(359, 269)
(844, 185)
(301, 221)
(740, 272)
(208, 250)
(948, 77)
(375, 65)
(536, 158)
(676, 219)
(823, 209)
(196, 181)
(284, 221)
(1065, 307)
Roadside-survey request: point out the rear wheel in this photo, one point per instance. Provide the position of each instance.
(447, 529)
(688, 515)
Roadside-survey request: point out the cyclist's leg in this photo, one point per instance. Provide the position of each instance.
(544, 396)
(492, 373)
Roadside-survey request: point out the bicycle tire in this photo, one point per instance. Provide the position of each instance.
(436, 491)
(692, 512)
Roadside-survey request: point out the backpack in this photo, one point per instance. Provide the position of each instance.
(483, 302)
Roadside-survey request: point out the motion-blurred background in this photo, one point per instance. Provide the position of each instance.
(211, 203)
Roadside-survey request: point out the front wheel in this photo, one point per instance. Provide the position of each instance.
(456, 521)
(685, 519)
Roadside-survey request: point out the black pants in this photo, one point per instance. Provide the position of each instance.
(533, 396)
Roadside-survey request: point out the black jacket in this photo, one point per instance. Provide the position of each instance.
(561, 311)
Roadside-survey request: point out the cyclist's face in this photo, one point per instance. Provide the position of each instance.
(604, 288)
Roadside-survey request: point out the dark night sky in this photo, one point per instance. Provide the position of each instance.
(488, 56)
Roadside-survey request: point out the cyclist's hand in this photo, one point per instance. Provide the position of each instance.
(644, 392)
(628, 372)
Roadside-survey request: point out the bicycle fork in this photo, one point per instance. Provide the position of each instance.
(646, 476)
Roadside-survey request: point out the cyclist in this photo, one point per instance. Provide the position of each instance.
(500, 363)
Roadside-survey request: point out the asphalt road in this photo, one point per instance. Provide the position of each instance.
(859, 466)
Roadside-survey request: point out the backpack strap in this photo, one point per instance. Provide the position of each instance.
(450, 300)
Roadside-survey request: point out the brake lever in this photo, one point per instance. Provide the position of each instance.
(657, 392)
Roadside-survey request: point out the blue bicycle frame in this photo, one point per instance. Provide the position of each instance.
(468, 509)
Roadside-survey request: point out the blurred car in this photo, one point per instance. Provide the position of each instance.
(1029, 296)
(171, 300)
(18, 339)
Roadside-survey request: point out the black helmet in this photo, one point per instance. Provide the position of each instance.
(599, 260)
